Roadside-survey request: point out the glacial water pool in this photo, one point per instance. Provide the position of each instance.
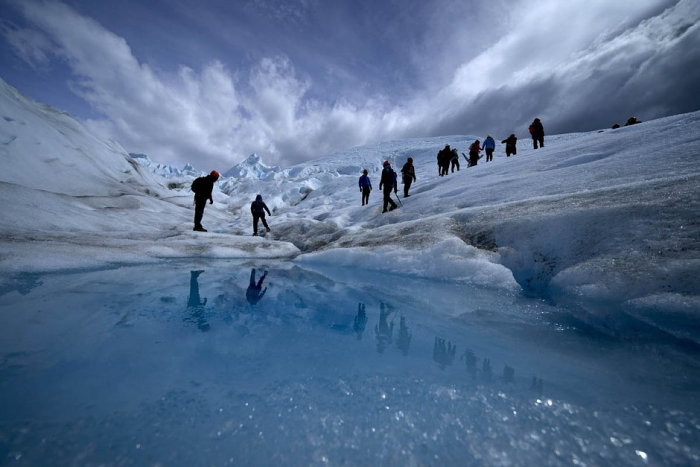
(200, 363)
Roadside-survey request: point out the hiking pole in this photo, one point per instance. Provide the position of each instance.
(399, 199)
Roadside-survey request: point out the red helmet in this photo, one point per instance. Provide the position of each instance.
(214, 174)
(386, 163)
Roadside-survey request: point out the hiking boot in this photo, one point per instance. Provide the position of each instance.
(255, 234)
(267, 228)
(406, 196)
(383, 211)
(199, 229)
(392, 208)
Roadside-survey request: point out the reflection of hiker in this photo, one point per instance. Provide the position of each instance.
(443, 354)
(489, 147)
(454, 160)
(408, 174)
(474, 153)
(195, 306)
(360, 321)
(510, 143)
(202, 188)
(470, 360)
(365, 187)
(388, 181)
(384, 331)
(403, 341)
(253, 294)
(443, 160)
(258, 208)
(537, 133)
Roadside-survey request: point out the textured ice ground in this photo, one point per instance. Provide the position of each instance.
(157, 365)
(606, 217)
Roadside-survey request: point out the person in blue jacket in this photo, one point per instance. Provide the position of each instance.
(365, 187)
(388, 183)
(489, 146)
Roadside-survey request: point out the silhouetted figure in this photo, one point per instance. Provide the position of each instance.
(537, 132)
(360, 321)
(632, 121)
(486, 373)
(508, 374)
(403, 341)
(253, 294)
(408, 176)
(615, 126)
(202, 188)
(257, 209)
(511, 145)
(443, 354)
(536, 385)
(388, 183)
(384, 331)
(365, 186)
(454, 160)
(474, 153)
(195, 305)
(489, 147)
(443, 160)
(470, 360)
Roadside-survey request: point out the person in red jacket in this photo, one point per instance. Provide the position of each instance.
(474, 153)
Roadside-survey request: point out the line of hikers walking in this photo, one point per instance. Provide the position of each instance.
(447, 160)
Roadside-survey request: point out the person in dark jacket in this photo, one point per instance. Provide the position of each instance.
(408, 174)
(202, 188)
(255, 292)
(365, 186)
(454, 160)
(537, 132)
(443, 160)
(510, 143)
(474, 153)
(388, 183)
(257, 209)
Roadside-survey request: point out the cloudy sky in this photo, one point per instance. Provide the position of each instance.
(211, 81)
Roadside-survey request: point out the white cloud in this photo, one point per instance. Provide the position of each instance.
(555, 59)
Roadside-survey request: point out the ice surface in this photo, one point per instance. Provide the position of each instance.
(184, 363)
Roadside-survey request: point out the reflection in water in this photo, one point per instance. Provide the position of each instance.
(195, 306)
(443, 354)
(508, 374)
(486, 373)
(360, 321)
(536, 385)
(253, 294)
(384, 330)
(403, 341)
(470, 360)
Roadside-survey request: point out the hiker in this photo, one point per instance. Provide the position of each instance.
(257, 209)
(443, 160)
(537, 132)
(202, 188)
(454, 160)
(388, 181)
(510, 143)
(365, 186)
(474, 153)
(408, 174)
(632, 121)
(489, 147)
(253, 294)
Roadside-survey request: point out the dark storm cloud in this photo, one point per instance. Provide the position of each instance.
(211, 82)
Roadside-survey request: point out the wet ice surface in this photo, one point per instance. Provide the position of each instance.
(163, 365)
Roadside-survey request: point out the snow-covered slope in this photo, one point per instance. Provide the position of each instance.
(609, 216)
(71, 199)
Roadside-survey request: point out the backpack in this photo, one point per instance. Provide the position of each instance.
(196, 184)
(532, 129)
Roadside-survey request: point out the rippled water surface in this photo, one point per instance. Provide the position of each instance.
(194, 364)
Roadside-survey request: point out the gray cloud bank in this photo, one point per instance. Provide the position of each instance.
(576, 65)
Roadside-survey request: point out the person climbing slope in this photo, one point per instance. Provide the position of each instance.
(489, 147)
(408, 174)
(474, 153)
(257, 209)
(510, 143)
(365, 186)
(388, 183)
